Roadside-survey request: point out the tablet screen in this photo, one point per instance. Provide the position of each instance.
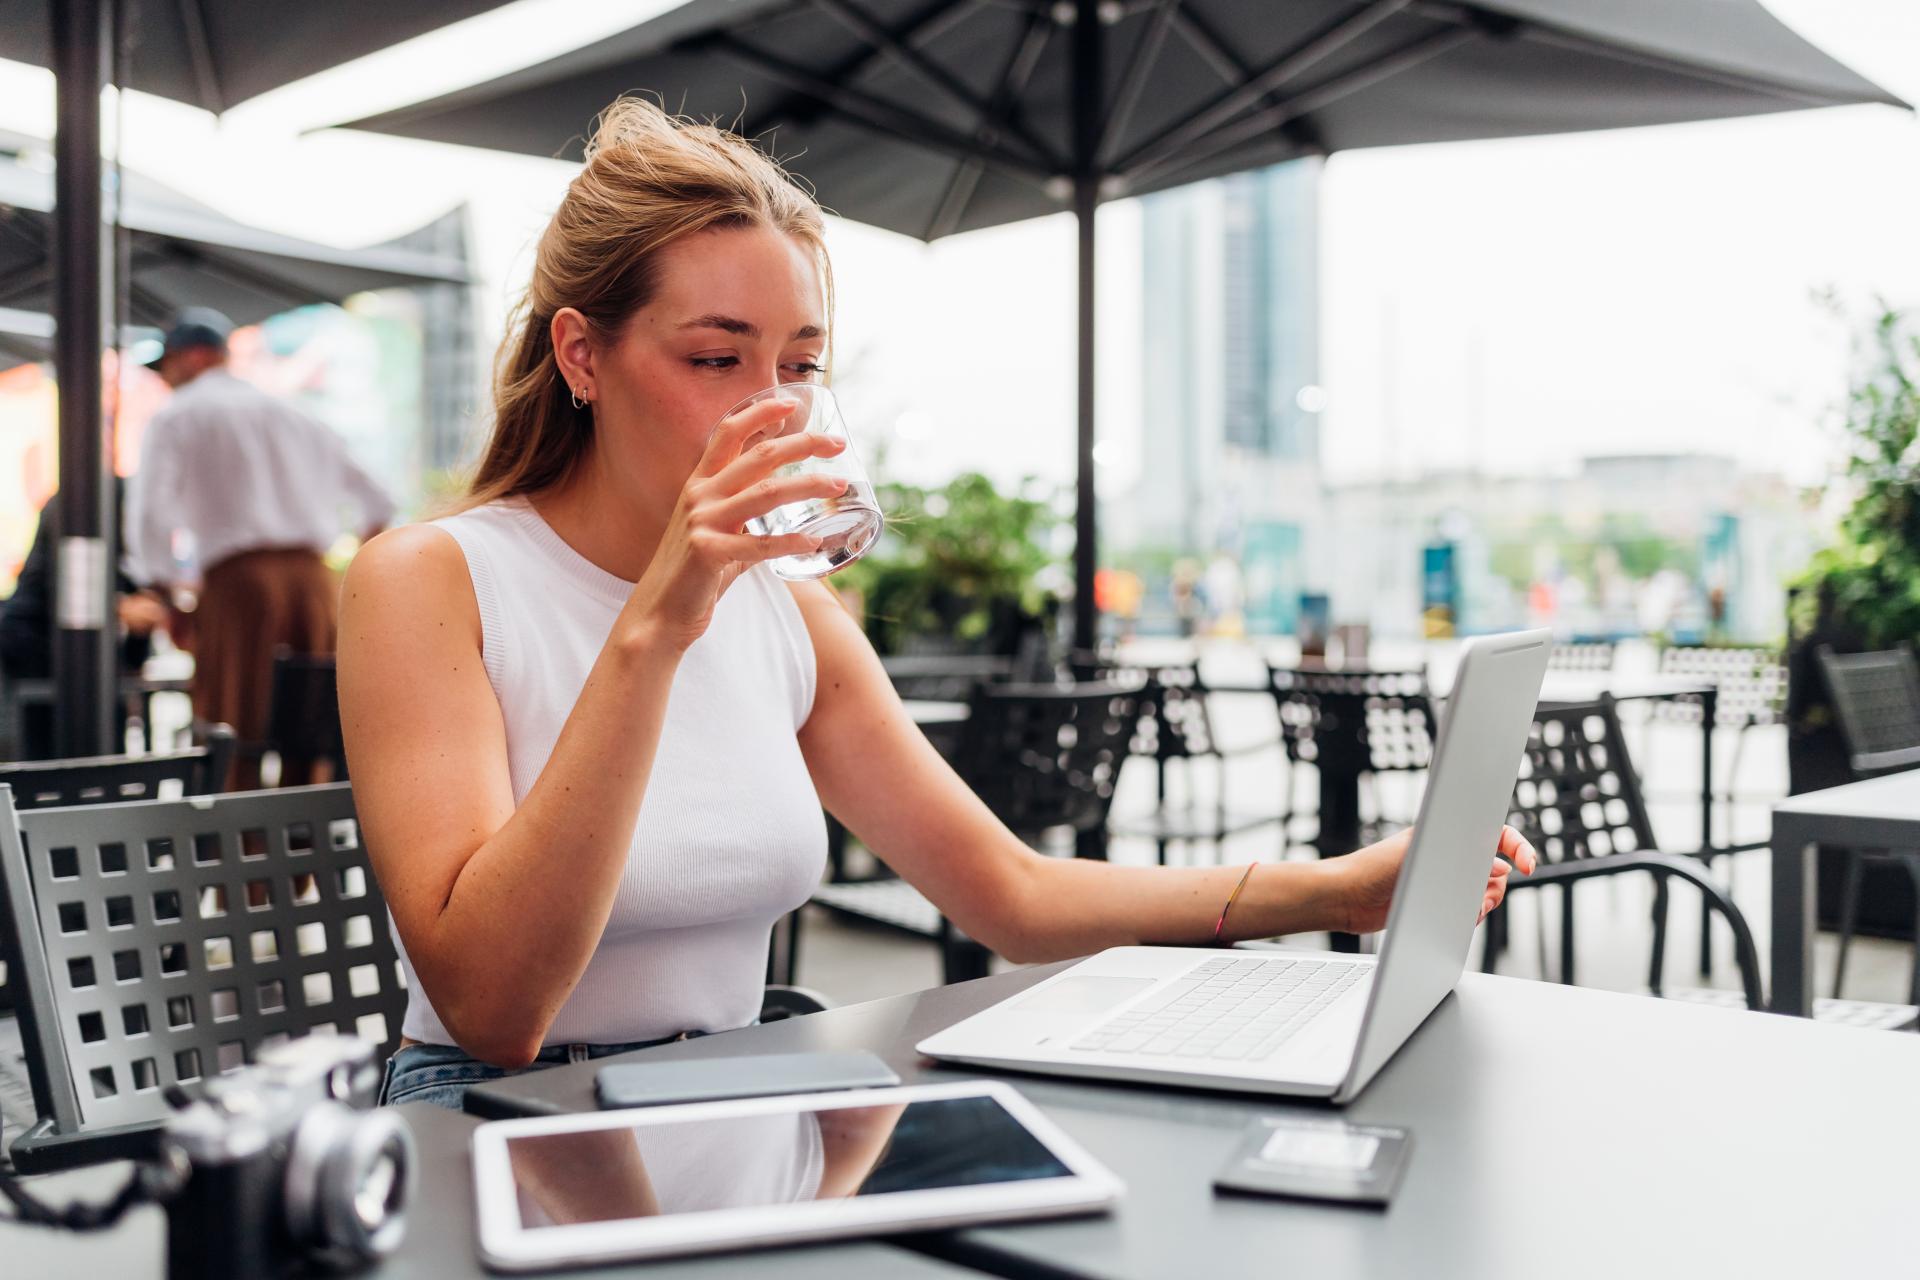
(677, 1167)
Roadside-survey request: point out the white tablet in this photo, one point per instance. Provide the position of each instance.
(605, 1186)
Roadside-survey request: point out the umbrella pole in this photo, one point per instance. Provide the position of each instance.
(1086, 545)
(1087, 123)
(84, 667)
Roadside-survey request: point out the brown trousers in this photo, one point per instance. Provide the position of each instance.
(251, 604)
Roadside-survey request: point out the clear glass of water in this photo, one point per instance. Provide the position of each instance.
(848, 525)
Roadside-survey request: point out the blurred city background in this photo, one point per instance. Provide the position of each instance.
(1593, 382)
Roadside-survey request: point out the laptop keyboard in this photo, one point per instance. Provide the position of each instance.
(1227, 1010)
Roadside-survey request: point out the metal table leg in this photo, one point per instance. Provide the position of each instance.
(1791, 972)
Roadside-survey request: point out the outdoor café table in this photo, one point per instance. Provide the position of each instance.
(1556, 1131)
(441, 1243)
(1880, 813)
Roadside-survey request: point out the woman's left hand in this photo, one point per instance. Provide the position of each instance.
(1369, 875)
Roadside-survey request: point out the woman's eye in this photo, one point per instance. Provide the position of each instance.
(714, 362)
(806, 369)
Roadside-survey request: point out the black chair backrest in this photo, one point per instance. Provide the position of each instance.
(1355, 721)
(1577, 794)
(196, 771)
(1585, 655)
(1175, 723)
(1751, 684)
(303, 713)
(1046, 756)
(165, 941)
(1877, 696)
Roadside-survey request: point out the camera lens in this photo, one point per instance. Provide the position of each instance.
(365, 1186)
(348, 1184)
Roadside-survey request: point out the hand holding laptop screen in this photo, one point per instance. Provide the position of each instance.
(1375, 870)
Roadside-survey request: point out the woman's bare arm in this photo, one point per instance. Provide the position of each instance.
(878, 774)
(500, 908)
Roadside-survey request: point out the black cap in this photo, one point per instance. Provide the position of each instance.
(194, 327)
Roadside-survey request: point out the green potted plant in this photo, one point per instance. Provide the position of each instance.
(1863, 591)
(961, 567)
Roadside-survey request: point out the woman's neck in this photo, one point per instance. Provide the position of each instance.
(611, 525)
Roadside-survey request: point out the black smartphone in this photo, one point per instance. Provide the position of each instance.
(653, 1084)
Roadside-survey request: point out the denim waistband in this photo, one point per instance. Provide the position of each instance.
(554, 1053)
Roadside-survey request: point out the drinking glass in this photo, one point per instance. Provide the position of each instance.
(847, 525)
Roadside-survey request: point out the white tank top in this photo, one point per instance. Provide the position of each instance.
(730, 835)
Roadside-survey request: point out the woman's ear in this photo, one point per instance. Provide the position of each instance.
(573, 351)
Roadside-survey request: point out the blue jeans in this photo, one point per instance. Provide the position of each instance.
(442, 1073)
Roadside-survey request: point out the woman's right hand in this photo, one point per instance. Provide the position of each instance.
(706, 546)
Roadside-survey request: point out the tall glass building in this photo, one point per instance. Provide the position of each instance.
(1230, 382)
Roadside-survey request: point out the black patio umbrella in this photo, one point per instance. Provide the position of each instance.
(183, 253)
(210, 53)
(931, 117)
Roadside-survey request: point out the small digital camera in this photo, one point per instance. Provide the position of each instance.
(288, 1166)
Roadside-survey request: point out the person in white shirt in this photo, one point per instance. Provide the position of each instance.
(259, 490)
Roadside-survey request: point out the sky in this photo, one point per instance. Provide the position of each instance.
(1509, 305)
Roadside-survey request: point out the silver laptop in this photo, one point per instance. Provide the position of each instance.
(1309, 1023)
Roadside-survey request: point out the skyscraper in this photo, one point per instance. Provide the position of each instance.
(1230, 375)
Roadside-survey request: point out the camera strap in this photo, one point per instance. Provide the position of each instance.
(151, 1182)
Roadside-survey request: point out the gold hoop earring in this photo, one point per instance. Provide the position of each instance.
(574, 396)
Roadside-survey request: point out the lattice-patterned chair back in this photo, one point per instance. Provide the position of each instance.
(1751, 685)
(44, 784)
(1577, 795)
(163, 942)
(1583, 656)
(1363, 721)
(1174, 721)
(1877, 696)
(1045, 756)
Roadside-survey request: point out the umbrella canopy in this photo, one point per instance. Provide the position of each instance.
(931, 117)
(26, 337)
(214, 54)
(183, 253)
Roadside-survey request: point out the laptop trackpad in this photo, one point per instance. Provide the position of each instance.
(1083, 995)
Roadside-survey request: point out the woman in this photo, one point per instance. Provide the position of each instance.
(591, 733)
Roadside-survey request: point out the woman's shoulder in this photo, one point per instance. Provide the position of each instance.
(413, 571)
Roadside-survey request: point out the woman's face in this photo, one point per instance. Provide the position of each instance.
(737, 311)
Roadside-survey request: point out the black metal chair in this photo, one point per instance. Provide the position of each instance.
(164, 941)
(303, 717)
(40, 784)
(1877, 698)
(1176, 728)
(1042, 758)
(1371, 725)
(1578, 801)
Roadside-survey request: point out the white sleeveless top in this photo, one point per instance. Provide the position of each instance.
(730, 835)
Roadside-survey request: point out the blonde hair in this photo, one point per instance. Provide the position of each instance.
(650, 180)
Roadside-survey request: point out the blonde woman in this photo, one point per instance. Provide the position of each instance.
(591, 734)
